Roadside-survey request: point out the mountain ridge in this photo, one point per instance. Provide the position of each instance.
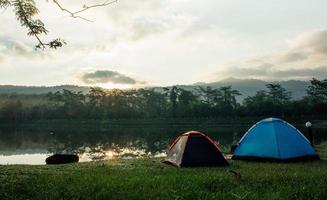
(247, 87)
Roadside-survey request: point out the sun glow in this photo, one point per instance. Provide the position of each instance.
(113, 86)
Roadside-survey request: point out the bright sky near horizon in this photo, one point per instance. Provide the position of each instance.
(136, 43)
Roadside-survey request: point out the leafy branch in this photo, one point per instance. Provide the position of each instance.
(26, 10)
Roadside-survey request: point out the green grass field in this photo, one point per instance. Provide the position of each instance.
(151, 179)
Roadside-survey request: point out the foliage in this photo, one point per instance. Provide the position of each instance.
(318, 90)
(275, 101)
(317, 95)
(171, 102)
(26, 11)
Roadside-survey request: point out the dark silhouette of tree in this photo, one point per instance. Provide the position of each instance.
(317, 95)
(227, 100)
(221, 101)
(318, 90)
(172, 94)
(153, 104)
(12, 111)
(95, 102)
(277, 93)
(274, 102)
(208, 98)
(278, 98)
(208, 95)
(67, 102)
(187, 102)
(257, 104)
(173, 102)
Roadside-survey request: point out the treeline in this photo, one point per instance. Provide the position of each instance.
(172, 102)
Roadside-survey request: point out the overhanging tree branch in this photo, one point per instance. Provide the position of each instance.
(85, 7)
(25, 11)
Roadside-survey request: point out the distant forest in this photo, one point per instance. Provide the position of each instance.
(172, 102)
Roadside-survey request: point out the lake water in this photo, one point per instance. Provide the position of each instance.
(32, 143)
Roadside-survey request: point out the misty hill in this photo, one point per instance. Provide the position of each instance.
(9, 89)
(247, 87)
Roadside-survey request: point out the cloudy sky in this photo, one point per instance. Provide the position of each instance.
(136, 43)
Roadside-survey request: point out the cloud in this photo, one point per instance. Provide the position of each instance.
(12, 49)
(11, 46)
(269, 71)
(2, 58)
(309, 46)
(314, 42)
(107, 76)
(162, 41)
(293, 57)
(142, 28)
(307, 73)
(305, 58)
(20, 48)
(136, 20)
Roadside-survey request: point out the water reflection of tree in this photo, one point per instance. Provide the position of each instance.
(151, 138)
(133, 149)
(72, 139)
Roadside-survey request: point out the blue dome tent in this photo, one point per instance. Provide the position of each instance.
(273, 139)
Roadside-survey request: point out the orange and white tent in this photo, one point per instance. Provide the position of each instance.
(195, 149)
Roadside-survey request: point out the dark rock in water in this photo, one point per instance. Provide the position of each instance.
(61, 159)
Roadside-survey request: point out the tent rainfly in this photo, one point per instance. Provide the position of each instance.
(273, 139)
(194, 149)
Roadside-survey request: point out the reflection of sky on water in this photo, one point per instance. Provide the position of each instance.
(86, 155)
(32, 144)
(23, 159)
(101, 153)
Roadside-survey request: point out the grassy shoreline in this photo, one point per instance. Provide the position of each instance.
(148, 178)
(151, 179)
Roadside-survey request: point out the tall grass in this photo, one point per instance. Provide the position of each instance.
(151, 179)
